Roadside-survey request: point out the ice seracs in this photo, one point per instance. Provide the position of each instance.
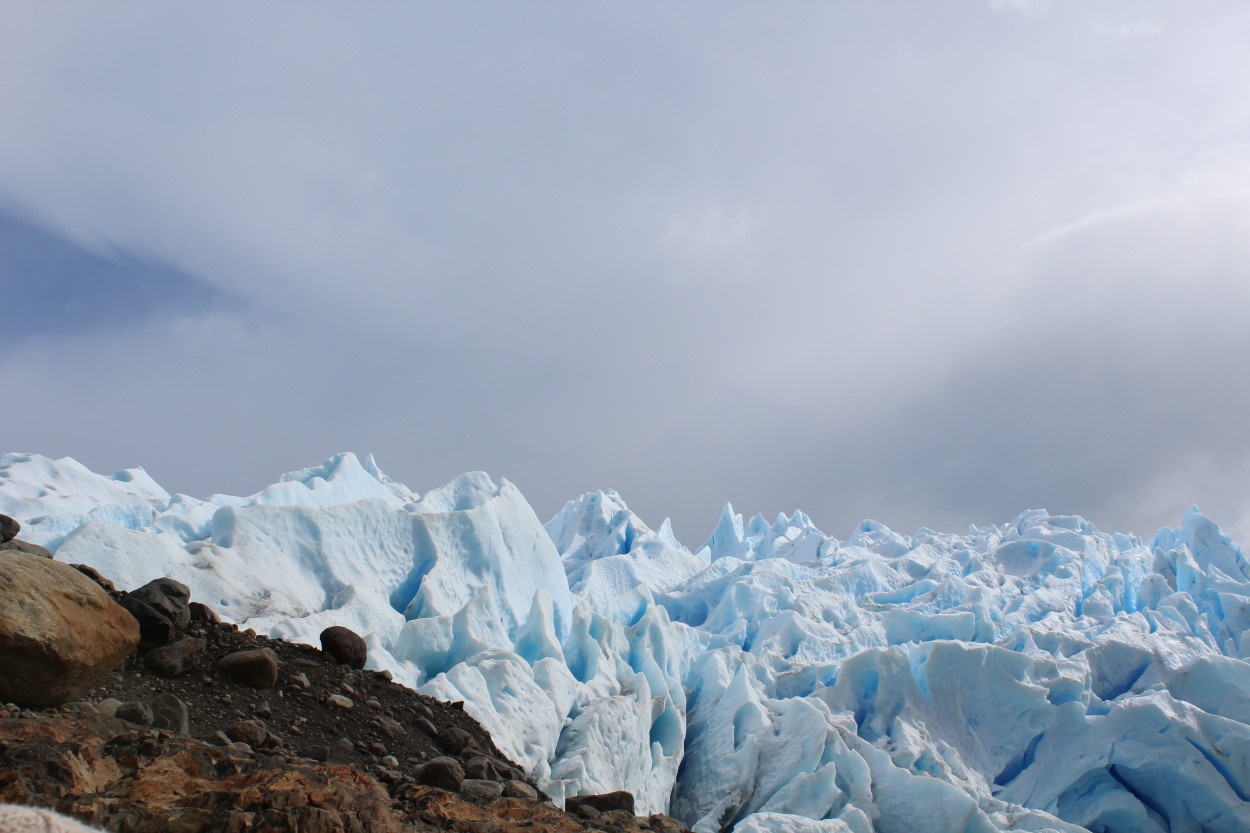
(1038, 675)
(341, 479)
(607, 550)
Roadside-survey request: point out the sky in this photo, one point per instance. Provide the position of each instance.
(930, 263)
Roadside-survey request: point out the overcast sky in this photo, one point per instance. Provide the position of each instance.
(932, 263)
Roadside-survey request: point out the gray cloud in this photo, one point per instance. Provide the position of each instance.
(861, 259)
(52, 288)
(1111, 388)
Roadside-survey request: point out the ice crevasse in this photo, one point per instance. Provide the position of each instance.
(1034, 676)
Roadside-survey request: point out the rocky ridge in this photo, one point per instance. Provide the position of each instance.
(206, 727)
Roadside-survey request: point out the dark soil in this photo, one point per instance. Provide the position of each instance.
(306, 724)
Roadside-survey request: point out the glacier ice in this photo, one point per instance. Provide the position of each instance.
(1034, 676)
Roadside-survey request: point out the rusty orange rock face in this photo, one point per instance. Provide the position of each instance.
(105, 773)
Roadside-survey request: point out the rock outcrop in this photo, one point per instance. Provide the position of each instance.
(100, 771)
(59, 631)
(181, 740)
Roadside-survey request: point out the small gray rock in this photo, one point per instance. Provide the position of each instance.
(81, 709)
(519, 789)
(257, 668)
(168, 712)
(251, 732)
(108, 706)
(139, 714)
(442, 772)
(480, 767)
(660, 823)
(391, 727)
(202, 613)
(618, 820)
(176, 658)
(339, 701)
(477, 789)
(453, 739)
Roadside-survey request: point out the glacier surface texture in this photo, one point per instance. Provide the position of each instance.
(1036, 676)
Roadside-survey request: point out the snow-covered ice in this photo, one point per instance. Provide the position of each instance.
(1035, 676)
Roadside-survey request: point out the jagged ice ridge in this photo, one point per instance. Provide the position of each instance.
(1037, 676)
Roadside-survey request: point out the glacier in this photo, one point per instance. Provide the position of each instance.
(1038, 675)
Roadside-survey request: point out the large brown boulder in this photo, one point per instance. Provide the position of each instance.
(59, 631)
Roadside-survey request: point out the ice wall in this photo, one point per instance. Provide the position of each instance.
(1039, 675)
